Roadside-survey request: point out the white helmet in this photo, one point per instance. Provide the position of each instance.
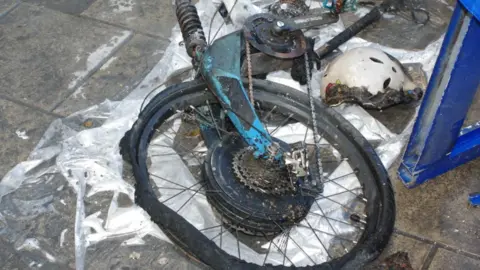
(369, 68)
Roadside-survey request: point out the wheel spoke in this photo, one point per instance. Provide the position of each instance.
(193, 195)
(268, 114)
(268, 252)
(189, 151)
(209, 228)
(223, 22)
(231, 226)
(206, 191)
(286, 245)
(221, 231)
(346, 189)
(288, 236)
(306, 132)
(327, 233)
(328, 221)
(177, 184)
(334, 219)
(318, 238)
(213, 120)
(180, 193)
(238, 244)
(206, 120)
(282, 124)
(279, 249)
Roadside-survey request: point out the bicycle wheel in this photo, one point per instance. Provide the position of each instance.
(200, 184)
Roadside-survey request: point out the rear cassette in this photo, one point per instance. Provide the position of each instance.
(259, 213)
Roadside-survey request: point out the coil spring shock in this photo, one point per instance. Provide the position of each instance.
(190, 25)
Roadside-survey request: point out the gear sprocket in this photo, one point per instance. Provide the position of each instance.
(261, 175)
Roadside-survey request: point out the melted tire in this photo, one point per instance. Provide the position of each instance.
(377, 186)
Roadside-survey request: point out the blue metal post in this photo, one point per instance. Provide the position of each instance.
(474, 199)
(438, 143)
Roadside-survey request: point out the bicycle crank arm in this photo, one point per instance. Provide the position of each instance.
(262, 63)
(315, 19)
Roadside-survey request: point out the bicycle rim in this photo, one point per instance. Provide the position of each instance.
(326, 236)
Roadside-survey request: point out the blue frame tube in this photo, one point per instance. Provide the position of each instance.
(435, 146)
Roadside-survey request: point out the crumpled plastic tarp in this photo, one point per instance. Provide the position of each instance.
(86, 158)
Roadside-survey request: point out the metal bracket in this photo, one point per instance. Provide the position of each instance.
(438, 143)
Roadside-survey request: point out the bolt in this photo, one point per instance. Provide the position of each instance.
(280, 24)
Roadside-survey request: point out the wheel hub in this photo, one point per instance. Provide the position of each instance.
(244, 201)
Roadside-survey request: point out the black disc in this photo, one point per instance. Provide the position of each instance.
(258, 30)
(254, 212)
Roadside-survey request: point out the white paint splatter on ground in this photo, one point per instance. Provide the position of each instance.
(121, 6)
(79, 92)
(33, 244)
(163, 261)
(22, 134)
(97, 56)
(62, 237)
(108, 63)
(158, 52)
(135, 241)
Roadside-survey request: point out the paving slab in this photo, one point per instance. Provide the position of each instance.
(438, 209)
(46, 54)
(67, 6)
(148, 16)
(417, 251)
(448, 260)
(20, 130)
(38, 225)
(6, 5)
(118, 76)
(408, 34)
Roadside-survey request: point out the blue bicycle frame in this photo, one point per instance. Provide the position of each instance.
(220, 67)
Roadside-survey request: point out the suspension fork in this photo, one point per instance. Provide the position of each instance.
(219, 65)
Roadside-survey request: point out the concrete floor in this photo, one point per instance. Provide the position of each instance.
(57, 57)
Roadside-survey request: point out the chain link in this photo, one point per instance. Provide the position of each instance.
(249, 71)
(316, 137)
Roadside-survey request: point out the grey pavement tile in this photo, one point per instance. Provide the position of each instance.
(447, 260)
(148, 16)
(20, 130)
(438, 209)
(118, 76)
(417, 251)
(46, 54)
(408, 34)
(67, 6)
(473, 115)
(6, 5)
(40, 224)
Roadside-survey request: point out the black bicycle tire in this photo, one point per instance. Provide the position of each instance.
(193, 241)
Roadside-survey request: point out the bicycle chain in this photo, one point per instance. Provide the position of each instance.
(249, 70)
(311, 100)
(316, 137)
